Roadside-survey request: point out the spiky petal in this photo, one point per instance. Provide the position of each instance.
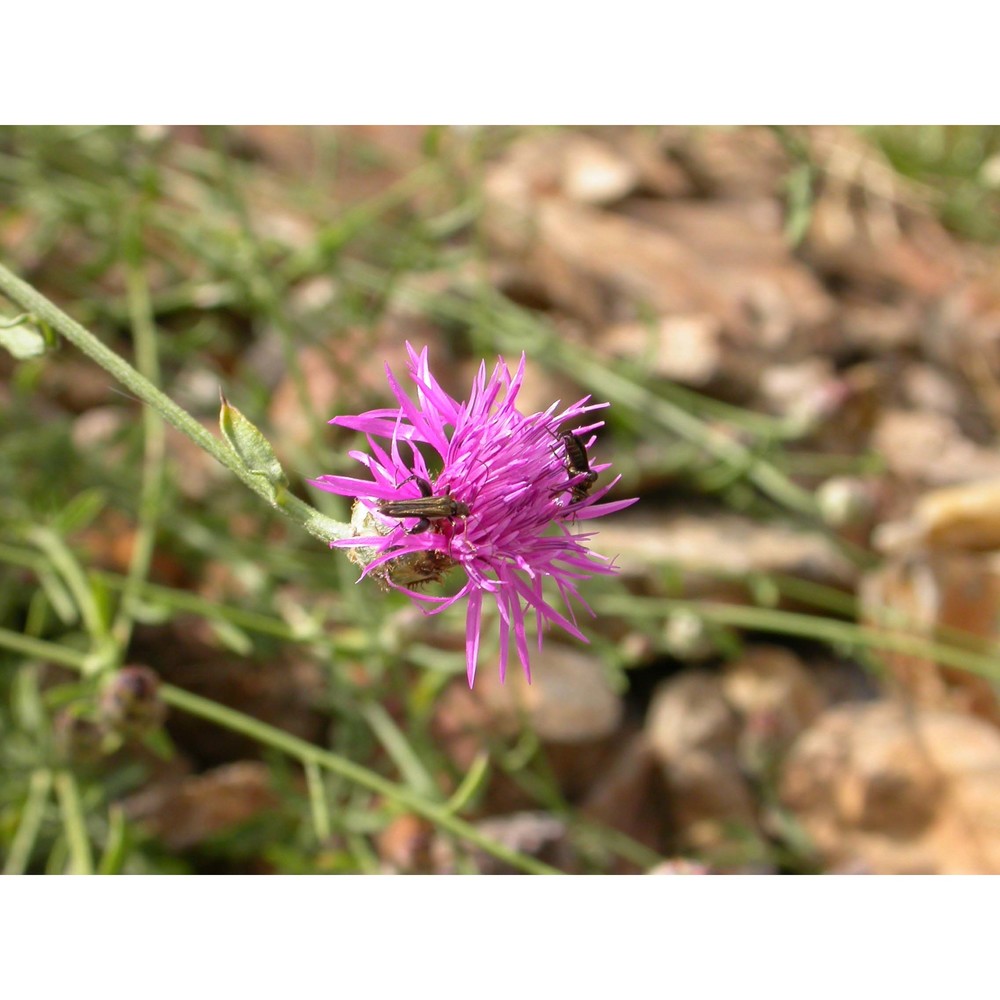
(510, 470)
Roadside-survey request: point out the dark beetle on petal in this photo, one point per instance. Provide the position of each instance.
(426, 507)
(577, 465)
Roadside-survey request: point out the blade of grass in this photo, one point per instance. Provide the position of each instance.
(291, 506)
(32, 813)
(396, 745)
(318, 804)
(81, 860)
(436, 812)
(154, 444)
(811, 627)
(113, 855)
(295, 747)
(72, 574)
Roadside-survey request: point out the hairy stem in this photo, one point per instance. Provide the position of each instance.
(42, 309)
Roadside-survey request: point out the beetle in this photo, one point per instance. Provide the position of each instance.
(426, 507)
(577, 465)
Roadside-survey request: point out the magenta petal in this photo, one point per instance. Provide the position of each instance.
(473, 617)
(503, 503)
(348, 487)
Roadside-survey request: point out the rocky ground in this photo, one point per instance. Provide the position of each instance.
(796, 669)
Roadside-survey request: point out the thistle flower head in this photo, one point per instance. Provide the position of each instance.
(502, 501)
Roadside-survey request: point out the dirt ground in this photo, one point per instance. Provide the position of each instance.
(798, 331)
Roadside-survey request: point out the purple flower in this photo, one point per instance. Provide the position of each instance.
(503, 507)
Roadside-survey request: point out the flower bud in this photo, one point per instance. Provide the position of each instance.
(130, 702)
(845, 502)
(687, 637)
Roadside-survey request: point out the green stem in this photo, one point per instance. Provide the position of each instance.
(42, 651)
(318, 805)
(32, 814)
(513, 328)
(810, 627)
(154, 452)
(260, 287)
(474, 779)
(116, 843)
(954, 640)
(305, 753)
(73, 576)
(32, 301)
(185, 600)
(81, 860)
(765, 476)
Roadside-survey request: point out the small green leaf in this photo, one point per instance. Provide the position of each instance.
(23, 339)
(474, 780)
(763, 590)
(397, 744)
(252, 448)
(80, 511)
(148, 613)
(102, 599)
(116, 843)
(799, 185)
(232, 637)
(59, 598)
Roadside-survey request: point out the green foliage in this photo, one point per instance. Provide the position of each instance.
(958, 168)
(203, 250)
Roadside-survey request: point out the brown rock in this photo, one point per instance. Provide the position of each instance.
(585, 168)
(658, 174)
(693, 732)
(569, 699)
(929, 448)
(99, 432)
(731, 163)
(285, 694)
(898, 790)
(926, 388)
(963, 334)
(775, 694)
(405, 845)
(569, 705)
(527, 212)
(877, 327)
(462, 724)
(706, 548)
(870, 227)
(633, 259)
(960, 518)
(187, 813)
(743, 246)
(808, 393)
(77, 384)
(923, 593)
(629, 795)
(192, 469)
(684, 349)
(680, 866)
(594, 171)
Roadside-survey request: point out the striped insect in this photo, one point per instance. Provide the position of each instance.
(426, 507)
(581, 476)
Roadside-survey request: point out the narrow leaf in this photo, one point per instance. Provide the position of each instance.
(253, 449)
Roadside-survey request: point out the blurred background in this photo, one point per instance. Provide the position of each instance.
(798, 330)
